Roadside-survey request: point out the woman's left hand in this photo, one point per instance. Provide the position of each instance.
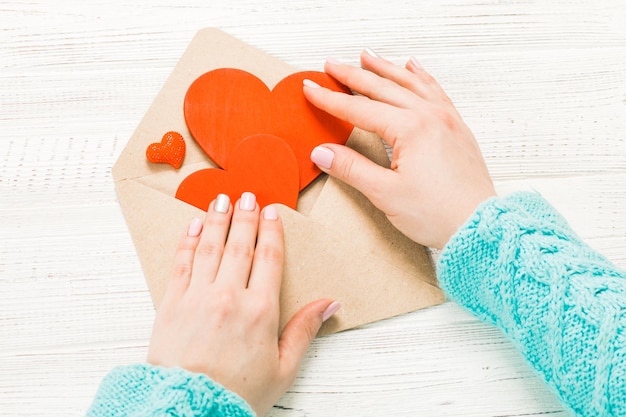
(220, 313)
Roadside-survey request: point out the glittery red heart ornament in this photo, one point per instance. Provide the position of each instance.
(171, 150)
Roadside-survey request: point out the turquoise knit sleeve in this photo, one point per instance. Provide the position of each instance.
(517, 264)
(147, 391)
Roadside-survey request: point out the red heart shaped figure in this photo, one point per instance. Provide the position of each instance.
(262, 164)
(171, 150)
(226, 105)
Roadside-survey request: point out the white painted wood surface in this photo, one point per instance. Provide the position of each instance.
(542, 84)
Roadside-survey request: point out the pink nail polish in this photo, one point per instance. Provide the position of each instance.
(270, 213)
(222, 203)
(332, 60)
(310, 83)
(322, 157)
(248, 201)
(195, 227)
(416, 63)
(330, 310)
(371, 53)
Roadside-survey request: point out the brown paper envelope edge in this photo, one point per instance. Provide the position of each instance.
(368, 287)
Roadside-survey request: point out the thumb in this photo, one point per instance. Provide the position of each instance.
(354, 169)
(300, 332)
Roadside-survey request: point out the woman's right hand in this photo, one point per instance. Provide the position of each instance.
(438, 176)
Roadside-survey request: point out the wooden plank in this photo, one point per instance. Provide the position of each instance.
(542, 85)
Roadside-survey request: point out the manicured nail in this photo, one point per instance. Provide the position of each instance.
(247, 202)
(371, 53)
(195, 227)
(330, 310)
(416, 63)
(270, 213)
(222, 203)
(332, 60)
(309, 83)
(322, 157)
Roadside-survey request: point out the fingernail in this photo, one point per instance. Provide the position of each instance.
(322, 157)
(309, 83)
(416, 63)
(195, 227)
(270, 213)
(330, 310)
(332, 60)
(247, 202)
(222, 203)
(371, 53)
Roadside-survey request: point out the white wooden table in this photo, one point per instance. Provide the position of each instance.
(541, 83)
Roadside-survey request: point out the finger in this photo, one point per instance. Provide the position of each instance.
(416, 68)
(355, 170)
(236, 264)
(415, 80)
(300, 332)
(373, 85)
(208, 254)
(183, 262)
(269, 256)
(364, 113)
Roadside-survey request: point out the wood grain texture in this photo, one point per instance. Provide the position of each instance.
(542, 84)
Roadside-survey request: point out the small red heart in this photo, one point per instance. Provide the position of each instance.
(226, 105)
(171, 150)
(262, 164)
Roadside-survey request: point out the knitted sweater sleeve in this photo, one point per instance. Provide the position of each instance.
(517, 264)
(144, 391)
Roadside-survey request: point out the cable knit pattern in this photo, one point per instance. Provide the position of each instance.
(517, 264)
(145, 391)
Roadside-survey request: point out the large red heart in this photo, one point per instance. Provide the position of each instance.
(224, 106)
(262, 164)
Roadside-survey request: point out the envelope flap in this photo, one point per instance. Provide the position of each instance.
(319, 263)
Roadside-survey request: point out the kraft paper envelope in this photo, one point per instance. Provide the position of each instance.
(338, 245)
